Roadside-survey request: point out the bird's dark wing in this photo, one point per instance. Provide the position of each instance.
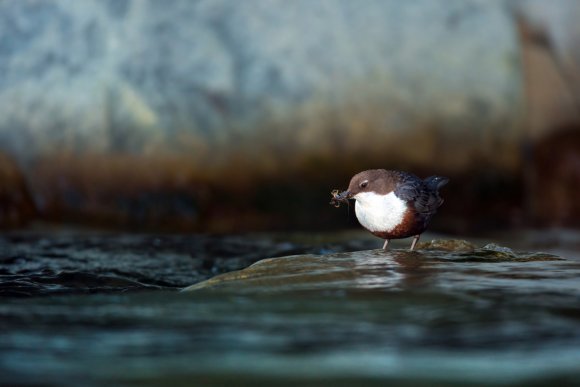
(418, 194)
(408, 187)
(428, 202)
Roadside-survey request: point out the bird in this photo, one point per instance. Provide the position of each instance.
(393, 204)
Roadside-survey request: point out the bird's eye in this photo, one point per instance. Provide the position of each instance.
(364, 184)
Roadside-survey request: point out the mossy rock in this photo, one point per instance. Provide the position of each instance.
(364, 269)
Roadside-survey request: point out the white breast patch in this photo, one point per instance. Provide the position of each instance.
(379, 212)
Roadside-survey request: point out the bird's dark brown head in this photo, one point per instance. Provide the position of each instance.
(379, 181)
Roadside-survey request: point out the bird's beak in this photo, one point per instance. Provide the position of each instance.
(344, 195)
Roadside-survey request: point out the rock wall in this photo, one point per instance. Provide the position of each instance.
(142, 110)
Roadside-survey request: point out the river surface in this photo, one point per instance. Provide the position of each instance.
(105, 310)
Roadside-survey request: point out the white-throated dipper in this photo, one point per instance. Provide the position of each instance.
(393, 204)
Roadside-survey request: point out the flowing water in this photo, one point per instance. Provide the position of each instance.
(102, 310)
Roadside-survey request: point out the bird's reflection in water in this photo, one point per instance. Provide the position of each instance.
(391, 269)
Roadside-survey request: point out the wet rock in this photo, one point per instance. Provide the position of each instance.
(495, 253)
(551, 158)
(447, 244)
(16, 206)
(124, 190)
(494, 247)
(132, 123)
(554, 177)
(249, 70)
(362, 269)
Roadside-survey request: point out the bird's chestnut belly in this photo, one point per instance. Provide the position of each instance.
(412, 224)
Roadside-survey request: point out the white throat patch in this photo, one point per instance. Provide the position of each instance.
(379, 212)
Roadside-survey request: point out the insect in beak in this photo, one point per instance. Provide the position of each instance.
(339, 197)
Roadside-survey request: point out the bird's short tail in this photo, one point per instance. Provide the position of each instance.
(436, 182)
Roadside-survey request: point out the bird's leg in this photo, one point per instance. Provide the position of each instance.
(415, 240)
(386, 244)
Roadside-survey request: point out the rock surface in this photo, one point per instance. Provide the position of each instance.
(112, 107)
(131, 76)
(372, 269)
(16, 205)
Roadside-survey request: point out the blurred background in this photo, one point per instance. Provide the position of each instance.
(222, 115)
